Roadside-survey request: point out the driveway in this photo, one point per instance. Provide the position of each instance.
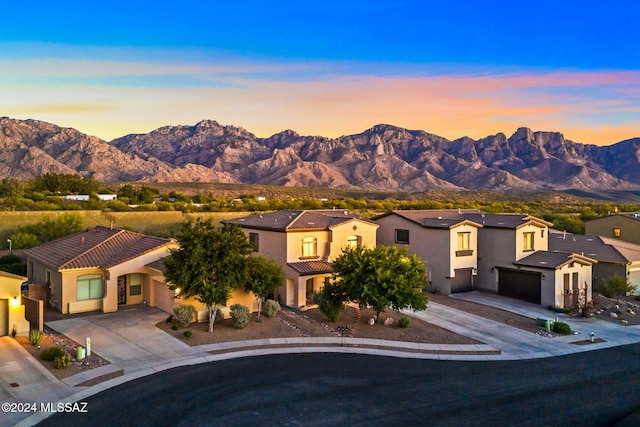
(23, 379)
(127, 338)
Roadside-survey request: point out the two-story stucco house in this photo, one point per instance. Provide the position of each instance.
(98, 269)
(304, 243)
(506, 254)
(514, 260)
(443, 238)
(621, 226)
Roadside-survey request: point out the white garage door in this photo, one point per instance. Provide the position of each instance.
(164, 296)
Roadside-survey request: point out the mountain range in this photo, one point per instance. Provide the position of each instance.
(384, 157)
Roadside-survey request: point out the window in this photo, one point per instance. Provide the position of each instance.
(402, 236)
(254, 239)
(528, 242)
(47, 275)
(542, 233)
(135, 284)
(89, 287)
(617, 232)
(464, 244)
(354, 242)
(463, 241)
(309, 247)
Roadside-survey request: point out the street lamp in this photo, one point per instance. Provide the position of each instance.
(9, 242)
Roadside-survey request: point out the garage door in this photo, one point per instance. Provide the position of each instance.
(520, 284)
(164, 296)
(462, 281)
(4, 317)
(634, 279)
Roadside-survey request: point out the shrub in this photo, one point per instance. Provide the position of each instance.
(240, 315)
(271, 307)
(62, 362)
(219, 315)
(615, 286)
(330, 301)
(169, 319)
(35, 337)
(187, 334)
(405, 322)
(561, 328)
(559, 309)
(51, 353)
(175, 326)
(184, 314)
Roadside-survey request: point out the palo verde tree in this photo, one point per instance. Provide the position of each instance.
(264, 275)
(210, 262)
(383, 277)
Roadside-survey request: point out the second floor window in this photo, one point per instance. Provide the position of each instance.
(617, 232)
(309, 247)
(528, 242)
(402, 236)
(464, 241)
(255, 241)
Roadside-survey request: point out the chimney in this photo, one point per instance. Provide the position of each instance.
(82, 240)
(564, 234)
(111, 225)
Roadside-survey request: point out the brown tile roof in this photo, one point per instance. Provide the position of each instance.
(100, 247)
(156, 265)
(306, 268)
(298, 220)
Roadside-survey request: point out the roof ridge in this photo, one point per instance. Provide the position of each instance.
(117, 233)
(301, 212)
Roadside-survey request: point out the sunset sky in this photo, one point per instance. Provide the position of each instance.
(465, 68)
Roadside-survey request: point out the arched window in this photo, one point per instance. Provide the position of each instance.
(309, 247)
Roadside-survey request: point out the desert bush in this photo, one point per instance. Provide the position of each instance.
(271, 307)
(35, 337)
(219, 315)
(330, 302)
(175, 326)
(169, 319)
(184, 314)
(62, 362)
(617, 286)
(561, 328)
(405, 322)
(51, 353)
(559, 309)
(240, 315)
(187, 334)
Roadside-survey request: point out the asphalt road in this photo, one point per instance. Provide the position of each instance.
(596, 388)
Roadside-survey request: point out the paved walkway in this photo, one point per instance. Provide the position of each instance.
(130, 341)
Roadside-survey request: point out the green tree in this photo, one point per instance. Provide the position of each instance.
(617, 285)
(264, 275)
(383, 277)
(331, 301)
(210, 262)
(11, 188)
(22, 240)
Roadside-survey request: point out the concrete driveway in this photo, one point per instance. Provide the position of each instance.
(23, 379)
(127, 338)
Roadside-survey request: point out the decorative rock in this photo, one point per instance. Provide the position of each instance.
(631, 311)
(614, 315)
(626, 322)
(372, 321)
(388, 321)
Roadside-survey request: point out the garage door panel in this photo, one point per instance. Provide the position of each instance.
(164, 297)
(462, 281)
(521, 285)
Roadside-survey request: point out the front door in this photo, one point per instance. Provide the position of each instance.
(309, 290)
(122, 290)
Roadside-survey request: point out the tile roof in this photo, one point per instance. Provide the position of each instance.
(100, 247)
(506, 220)
(444, 218)
(306, 268)
(552, 260)
(298, 220)
(157, 265)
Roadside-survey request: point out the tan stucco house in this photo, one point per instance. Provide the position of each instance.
(98, 269)
(443, 238)
(12, 312)
(304, 243)
(620, 226)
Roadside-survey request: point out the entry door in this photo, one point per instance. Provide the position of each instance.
(4, 317)
(122, 290)
(309, 289)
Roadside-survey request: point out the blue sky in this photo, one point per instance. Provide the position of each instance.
(334, 67)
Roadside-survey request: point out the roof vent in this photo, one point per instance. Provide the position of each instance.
(346, 212)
